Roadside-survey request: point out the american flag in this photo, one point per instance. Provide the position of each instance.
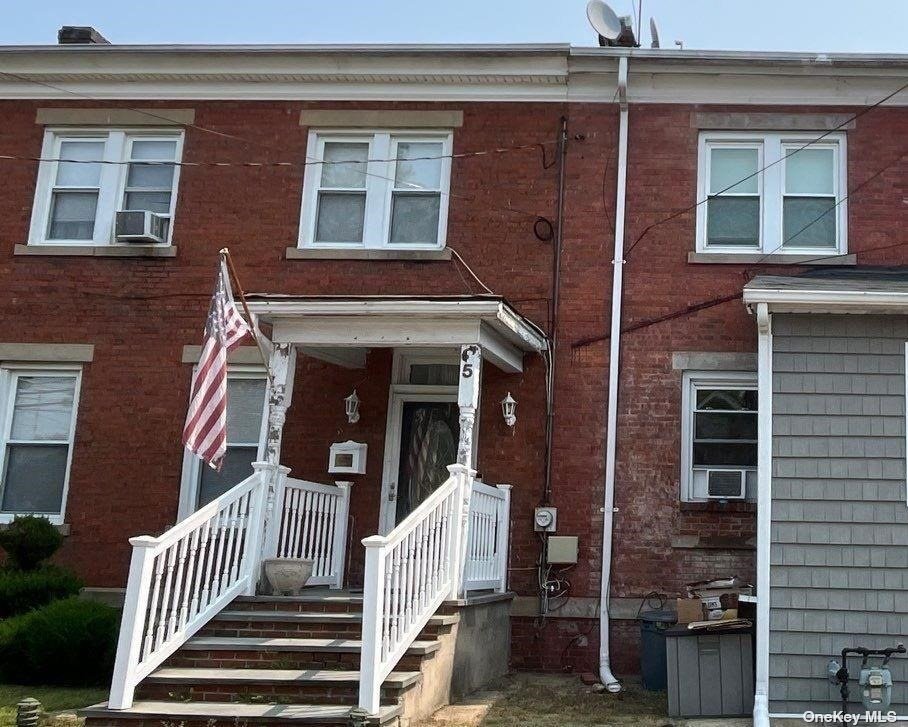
(205, 431)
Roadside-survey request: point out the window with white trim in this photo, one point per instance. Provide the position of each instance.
(382, 189)
(768, 193)
(246, 419)
(719, 436)
(91, 174)
(38, 424)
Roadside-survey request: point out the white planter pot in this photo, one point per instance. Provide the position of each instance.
(287, 576)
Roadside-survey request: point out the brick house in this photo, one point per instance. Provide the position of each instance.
(376, 281)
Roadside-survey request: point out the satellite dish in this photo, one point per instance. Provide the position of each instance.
(603, 19)
(654, 33)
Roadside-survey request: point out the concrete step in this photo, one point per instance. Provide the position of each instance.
(319, 599)
(276, 686)
(218, 643)
(193, 714)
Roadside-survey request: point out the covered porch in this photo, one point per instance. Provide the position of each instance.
(404, 480)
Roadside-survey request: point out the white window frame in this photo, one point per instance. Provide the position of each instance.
(771, 188)
(379, 186)
(9, 375)
(192, 464)
(117, 149)
(691, 381)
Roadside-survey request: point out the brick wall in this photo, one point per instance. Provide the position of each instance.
(139, 314)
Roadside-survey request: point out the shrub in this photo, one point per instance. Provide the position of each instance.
(29, 540)
(69, 643)
(22, 591)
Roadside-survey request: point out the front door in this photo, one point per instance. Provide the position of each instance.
(424, 432)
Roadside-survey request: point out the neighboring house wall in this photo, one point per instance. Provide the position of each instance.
(839, 520)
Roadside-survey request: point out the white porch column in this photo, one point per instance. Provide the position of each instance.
(281, 366)
(468, 400)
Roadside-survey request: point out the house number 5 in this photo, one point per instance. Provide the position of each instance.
(467, 356)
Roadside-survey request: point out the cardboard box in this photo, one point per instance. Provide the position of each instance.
(689, 610)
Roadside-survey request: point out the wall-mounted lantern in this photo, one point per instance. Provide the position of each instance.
(351, 406)
(508, 410)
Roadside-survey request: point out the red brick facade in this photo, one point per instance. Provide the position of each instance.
(139, 313)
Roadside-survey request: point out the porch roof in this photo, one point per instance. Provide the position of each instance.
(329, 326)
(869, 290)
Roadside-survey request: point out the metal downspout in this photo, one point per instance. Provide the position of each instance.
(608, 504)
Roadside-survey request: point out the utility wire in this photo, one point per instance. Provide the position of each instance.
(695, 205)
(308, 159)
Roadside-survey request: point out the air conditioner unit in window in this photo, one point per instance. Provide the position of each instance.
(141, 226)
(725, 484)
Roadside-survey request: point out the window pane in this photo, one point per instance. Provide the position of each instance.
(351, 173)
(237, 467)
(414, 218)
(809, 222)
(727, 399)
(418, 173)
(810, 171)
(245, 403)
(733, 221)
(729, 166)
(33, 477)
(151, 201)
(153, 149)
(43, 408)
(340, 217)
(722, 425)
(154, 176)
(78, 174)
(72, 215)
(732, 455)
(435, 374)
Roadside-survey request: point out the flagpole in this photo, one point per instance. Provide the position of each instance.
(236, 281)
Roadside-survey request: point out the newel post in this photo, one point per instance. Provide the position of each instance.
(339, 546)
(370, 678)
(502, 537)
(468, 400)
(461, 524)
(132, 624)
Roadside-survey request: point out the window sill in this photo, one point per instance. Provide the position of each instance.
(296, 253)
(729, 506)
(62, 528)
(738, 258)
(97, 250)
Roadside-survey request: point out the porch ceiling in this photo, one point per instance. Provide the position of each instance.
(335, 327)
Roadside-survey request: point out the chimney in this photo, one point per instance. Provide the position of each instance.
(80, 35)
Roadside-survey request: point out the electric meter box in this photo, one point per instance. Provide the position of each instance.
(561, 550)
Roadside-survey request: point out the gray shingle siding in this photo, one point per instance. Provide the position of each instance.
(839, 574)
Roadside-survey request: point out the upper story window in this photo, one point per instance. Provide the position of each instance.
(92, 174)
(766, 193)
(719, 436)
(383, 189)
(37, 416)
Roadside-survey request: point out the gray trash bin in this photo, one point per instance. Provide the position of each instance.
(653, 625)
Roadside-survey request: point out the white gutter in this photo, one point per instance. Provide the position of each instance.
(608, 504)
(764, 509)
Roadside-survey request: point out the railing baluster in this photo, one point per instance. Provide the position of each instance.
(165, 598)
(200, 564)
(177, 588)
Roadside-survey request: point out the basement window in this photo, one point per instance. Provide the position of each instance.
(379, 190)
(89, 175)
(719, 436)
(771, 193)
(38, 423)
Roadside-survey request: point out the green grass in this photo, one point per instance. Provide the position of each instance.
(53, 699)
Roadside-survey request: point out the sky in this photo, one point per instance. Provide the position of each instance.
(772, 25)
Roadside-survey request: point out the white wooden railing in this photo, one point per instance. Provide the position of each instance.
(409, 573)
(180, 580)
(486, 564)
(314, 526)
